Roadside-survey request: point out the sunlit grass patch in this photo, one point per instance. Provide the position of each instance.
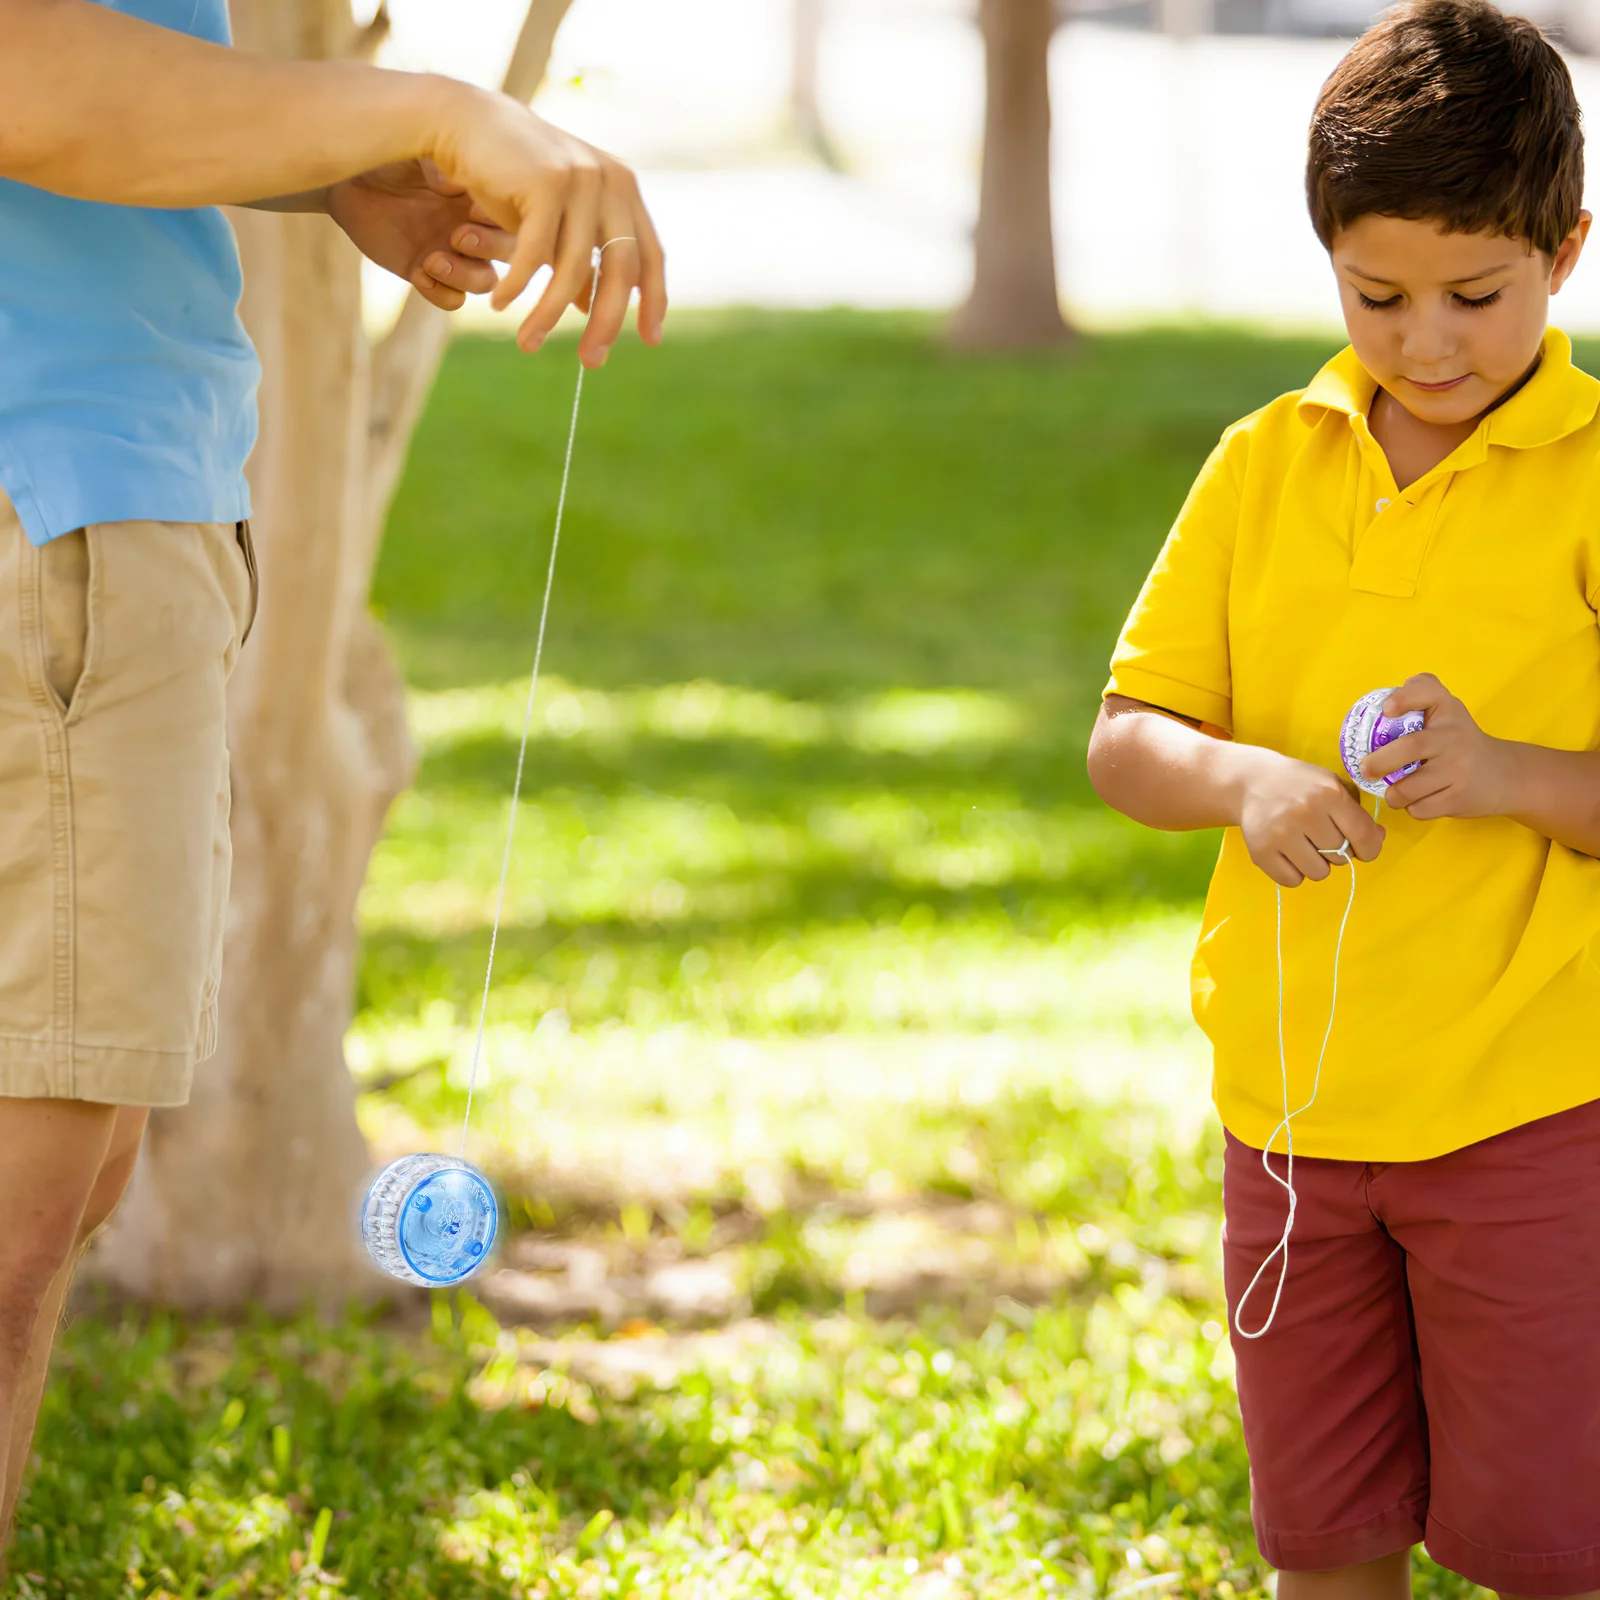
(1067, 1451)
(916, 722)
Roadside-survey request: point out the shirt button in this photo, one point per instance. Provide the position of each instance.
(1383, 505)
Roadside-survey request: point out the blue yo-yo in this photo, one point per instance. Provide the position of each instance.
(430, 1219)
(1367, 729)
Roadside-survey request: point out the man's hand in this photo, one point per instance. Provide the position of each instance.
(415, 223)
(1465, 772)
(1291, 811)
(561, 199)
(102, 106)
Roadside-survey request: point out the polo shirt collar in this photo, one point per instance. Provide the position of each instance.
(1557, 400)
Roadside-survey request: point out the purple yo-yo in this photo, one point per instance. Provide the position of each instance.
(1367, 729)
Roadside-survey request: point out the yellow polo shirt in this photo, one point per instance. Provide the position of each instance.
(1296, 578)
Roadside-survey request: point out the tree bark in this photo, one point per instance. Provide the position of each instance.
(248, 1194)
(805, 100)
(1014, 302)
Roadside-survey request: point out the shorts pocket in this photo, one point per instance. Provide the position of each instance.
(65, 567)
(247, 548)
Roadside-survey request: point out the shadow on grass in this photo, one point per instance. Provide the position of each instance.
(191, 1454)
(811, 503)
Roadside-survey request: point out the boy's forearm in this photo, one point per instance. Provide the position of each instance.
(1165, 773)
(101, 106)
(1557, 793)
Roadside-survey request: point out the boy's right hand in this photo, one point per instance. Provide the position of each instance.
(1291, 811)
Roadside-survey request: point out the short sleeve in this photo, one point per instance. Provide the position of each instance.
(1173, 651)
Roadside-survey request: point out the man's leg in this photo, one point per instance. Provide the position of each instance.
(122, 1153)
(51, 1153)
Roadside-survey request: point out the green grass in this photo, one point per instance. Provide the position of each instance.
(823, 971)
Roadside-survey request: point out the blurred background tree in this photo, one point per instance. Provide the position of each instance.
(1014, 303)
(805, 97)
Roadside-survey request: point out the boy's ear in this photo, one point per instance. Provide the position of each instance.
(1570, 249)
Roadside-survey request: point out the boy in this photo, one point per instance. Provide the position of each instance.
(1426, 513)
(127, 409)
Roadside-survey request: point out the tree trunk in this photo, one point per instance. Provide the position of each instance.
(248, 1194)
(1014, 304)
(805, 101)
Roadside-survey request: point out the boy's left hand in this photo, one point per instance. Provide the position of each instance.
(1465, 772)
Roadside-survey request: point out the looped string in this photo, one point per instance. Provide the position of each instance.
(527, 715)
(1280, 1251)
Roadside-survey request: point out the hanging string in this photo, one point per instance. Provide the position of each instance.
(1280, 1251)
(527, 715)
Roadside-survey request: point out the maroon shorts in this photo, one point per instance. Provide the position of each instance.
(1434, 1369)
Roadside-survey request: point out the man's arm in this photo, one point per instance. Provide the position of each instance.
(309, 202)
(100, 106)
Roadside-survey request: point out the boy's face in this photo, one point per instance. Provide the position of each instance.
(1446, 322)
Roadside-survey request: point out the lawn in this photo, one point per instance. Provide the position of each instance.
(839, 1077)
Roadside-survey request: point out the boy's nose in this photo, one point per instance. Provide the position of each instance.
(1424, 345)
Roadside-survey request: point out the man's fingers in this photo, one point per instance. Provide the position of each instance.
(437, 181)
(619, 272)
(534, 246)
(459, 272)
(443, 295)
(483, 241)
(574, 258)
(652, 277)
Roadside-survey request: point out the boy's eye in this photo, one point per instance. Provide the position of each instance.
(1481, 302)
(1378, 305)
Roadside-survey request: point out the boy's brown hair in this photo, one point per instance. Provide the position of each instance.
(1452, 112)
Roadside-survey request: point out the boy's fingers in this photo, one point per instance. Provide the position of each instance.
(1419, 786)
(1430, 808)
(1420, 692)
(1364, 832)
(1402, 752)
(1304, 856)
(1281, 870)
(1329, 837)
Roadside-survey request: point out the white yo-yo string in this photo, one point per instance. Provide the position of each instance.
(431, 1219)
(1280, 1251)
(533, 689)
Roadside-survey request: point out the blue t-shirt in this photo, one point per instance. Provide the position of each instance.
(127, 382)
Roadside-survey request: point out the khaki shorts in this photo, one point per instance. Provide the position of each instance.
(116, 643)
